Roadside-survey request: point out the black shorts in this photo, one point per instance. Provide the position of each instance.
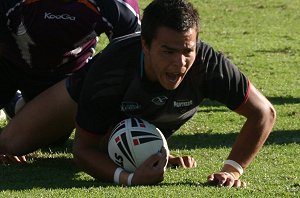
(75, 81)
(13, 79)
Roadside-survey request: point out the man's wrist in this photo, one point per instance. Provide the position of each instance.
(235, 165)
(117, 175)
(122, 177)
(129, 179)
(231, 170)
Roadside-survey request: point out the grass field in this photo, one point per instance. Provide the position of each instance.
(262, 37)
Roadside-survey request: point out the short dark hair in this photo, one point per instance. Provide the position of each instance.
(179, 15)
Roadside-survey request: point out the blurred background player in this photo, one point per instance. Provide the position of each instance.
(44, 41)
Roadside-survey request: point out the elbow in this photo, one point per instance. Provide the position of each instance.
(272, 115)
(269, 117)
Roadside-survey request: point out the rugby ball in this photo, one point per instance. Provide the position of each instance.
(134, 140)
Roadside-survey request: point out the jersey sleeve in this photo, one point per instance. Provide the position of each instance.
(224, 82)
(107, 80)
(123, 15)
(129, 20)
(100, 97)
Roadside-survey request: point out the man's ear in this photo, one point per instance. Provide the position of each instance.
(145, 47)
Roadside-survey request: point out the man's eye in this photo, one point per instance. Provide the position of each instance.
(168, 52)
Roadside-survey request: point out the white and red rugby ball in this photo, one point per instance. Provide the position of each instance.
(134, 140)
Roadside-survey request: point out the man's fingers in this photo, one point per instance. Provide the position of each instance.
(18, 159)
(239, 184)
(230, 182)
(182, 163)
(189, 162)
(8, 159)
(195, 164)
(210, 178)
(225, 179)
(157, 160)
(152, 160)
(163, 159)
(214, 180)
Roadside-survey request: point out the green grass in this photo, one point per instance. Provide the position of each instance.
(263, 38)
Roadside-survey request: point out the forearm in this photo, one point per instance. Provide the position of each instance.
(94, 159)
(99, 165)
(261, 117)
(96, 164)
(250, 140)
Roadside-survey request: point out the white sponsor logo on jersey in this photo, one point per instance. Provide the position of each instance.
(51, 16)
(180, 104)
(129, 106)
(160, 100)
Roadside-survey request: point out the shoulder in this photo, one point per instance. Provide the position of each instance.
(205, 58)
(212, 60)
(127, 44)
(6, 5)
(205, 51)
(113, 4)
(110, 8)
(130, 4)
(122, 53)
(122, 15)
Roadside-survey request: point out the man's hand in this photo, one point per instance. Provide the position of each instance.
(9, 159)
(225, 179)
(184, 161)
(152, 170)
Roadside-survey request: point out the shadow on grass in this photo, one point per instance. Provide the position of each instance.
(215, 106)
(189, 183)
(55, 173)
(215, 140)
(65, 146)
(274, 100)
(284, 100)
(62, 173)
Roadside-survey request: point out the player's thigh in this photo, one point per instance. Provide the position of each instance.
(35, 84)
(43, 121)
(53, 109)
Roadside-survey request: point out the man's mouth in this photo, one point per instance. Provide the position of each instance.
(173, 77)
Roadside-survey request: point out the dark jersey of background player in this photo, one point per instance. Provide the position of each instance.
(42, 41)
(119, 89)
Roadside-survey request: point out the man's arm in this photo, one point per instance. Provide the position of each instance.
(129, 18)
(123, 15)
(94, 160)
(260, 115)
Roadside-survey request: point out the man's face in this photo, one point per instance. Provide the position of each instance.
(170, 56)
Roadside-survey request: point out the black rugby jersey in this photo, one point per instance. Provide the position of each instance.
(42, 36)
(118, 89)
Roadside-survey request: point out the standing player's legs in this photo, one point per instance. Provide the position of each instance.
(47, 118)
(14, 106)
(8, 82)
